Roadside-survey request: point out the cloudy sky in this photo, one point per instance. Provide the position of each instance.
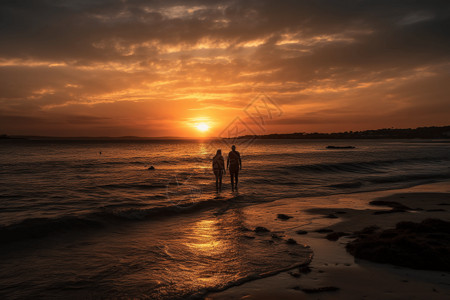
(161, 68)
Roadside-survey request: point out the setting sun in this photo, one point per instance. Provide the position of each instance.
(202, 127)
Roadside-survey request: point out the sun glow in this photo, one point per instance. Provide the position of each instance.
(202, 127)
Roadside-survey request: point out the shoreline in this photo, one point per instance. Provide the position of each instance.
(333, 267)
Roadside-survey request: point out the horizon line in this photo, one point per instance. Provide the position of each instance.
(200, 137)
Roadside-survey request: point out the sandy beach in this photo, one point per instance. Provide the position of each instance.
(333, 272)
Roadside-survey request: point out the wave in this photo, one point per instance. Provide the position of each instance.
(42, 227)
(133, 186)
(391, 179)
(357, 167)
(411, 177)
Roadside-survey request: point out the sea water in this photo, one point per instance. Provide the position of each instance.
(87, 218)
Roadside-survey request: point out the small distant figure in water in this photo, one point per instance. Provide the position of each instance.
(218, 165)
(100, 153)
(234, 164)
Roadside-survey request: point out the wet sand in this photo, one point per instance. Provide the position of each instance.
(334, 273)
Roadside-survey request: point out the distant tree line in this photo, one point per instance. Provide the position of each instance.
(433, 132)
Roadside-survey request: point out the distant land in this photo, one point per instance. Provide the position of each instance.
(433, 132)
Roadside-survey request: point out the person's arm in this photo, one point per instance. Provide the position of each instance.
(228, 160)
(240, 162)
(223, 165)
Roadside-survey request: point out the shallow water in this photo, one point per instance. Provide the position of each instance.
(80, 223)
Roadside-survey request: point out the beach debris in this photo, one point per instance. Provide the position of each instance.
(341, 147)
(331, 216)
(261, 229)
(283, 217)
(367, 230)
(296, 275)
(291, 242)
(276, 236)
(304, 269)
(320, 289)
(301, 232)
(324, 230)
(151, 168)
(391, 204)
(394, 210)
(424, 245)
(334, 236)
(243, 229)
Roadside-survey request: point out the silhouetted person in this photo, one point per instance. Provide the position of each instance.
(218, 165)
(234, 164)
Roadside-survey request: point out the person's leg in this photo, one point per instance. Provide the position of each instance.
(232, 180)
(220, 181)
(236, 180)
(217, 179)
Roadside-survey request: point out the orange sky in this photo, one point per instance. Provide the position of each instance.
(161, 68)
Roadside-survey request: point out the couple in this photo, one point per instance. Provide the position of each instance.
(233, 165)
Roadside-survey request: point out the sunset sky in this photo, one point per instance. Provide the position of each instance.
(190, 68)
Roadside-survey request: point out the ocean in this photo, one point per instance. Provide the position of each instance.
(88, 219)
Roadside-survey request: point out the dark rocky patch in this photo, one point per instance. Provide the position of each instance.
(435, 210)
(296, 275)
(367, 230)
(320, 289)
(304, 269)
(382, 212)
(424, 245)
(283, 217)
(276, 236)
(324, 230)
(331, 216)
(151, 168)
(291, 242)
(391, 204)
(261, 229)
(334, 236)
(301, 232)
(249, 237)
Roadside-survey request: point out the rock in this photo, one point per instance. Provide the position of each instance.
(382, 212)
(340, 147)
(301, 232)
(324, 230)
(296, 275)
(275, 236)
(334, 236)
(291, 242)
(424, 245)
(261, 229)
(331, 216)
(367, 230)
(151, 168)
(304, 269)
(283, 217)
(320, 289)
(392, 204)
